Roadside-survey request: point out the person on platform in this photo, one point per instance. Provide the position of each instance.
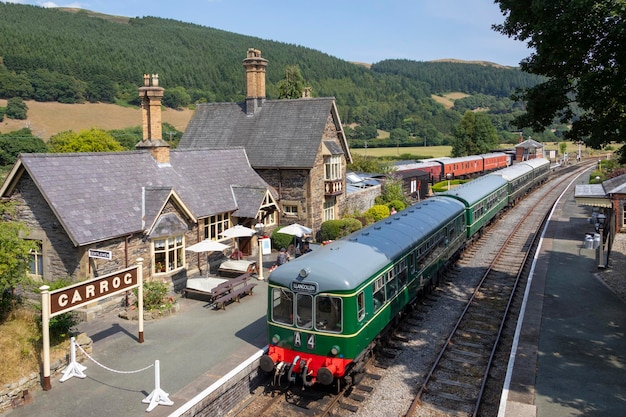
(282, 258)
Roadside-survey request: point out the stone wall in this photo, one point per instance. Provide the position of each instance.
(360, 201)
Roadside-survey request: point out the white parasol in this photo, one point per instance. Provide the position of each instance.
(238, 231)
(295, 230)
(207, 245)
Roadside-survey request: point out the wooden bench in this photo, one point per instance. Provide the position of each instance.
(204, 287)
(232, 290)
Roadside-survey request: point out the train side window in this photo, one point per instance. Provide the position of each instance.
(328, 313)
(392, 285)
(304, 311)
(360, 305)
(379, 293)
(282, 306)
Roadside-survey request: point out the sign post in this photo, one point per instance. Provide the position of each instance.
(74, 296)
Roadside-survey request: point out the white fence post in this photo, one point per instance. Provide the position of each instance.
(158, 396)
(74, 368)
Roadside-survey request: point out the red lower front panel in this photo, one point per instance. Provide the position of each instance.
(336, 365)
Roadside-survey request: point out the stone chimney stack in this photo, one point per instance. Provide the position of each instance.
(255, 80)
(151, 95)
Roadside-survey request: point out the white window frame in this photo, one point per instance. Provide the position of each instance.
(332, 167)
(329, 209)
(216, 224)
(171, 245)
(36, 261)
(291, 210)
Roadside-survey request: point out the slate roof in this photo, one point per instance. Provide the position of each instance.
(529, 143)
(280, 134)
(98, 196)
(615, 185)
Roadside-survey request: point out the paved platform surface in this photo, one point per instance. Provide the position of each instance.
(195, 348)
(571, 359)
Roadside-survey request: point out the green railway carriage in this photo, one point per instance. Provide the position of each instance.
(326, 308)
(520, 178)
(541, 169)
(483, 198)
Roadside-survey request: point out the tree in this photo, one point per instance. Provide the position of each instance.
(391, 190)
(176, 98)
(292, 85)
(14, 258)
(19, 141)
(579, 46)
(474, 135)
(16, 108)
(93, 140)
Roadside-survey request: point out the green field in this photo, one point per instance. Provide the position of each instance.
(422, 152)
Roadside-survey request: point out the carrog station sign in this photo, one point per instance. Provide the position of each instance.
(72, 297)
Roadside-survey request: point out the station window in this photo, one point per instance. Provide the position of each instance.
(328, 313)
(168, 254)
(36, 261)
(332, 167)
(282, 306)
(215, 225)
(329, 209)
(290, 210)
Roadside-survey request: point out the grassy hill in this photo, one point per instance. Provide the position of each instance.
(75, 56)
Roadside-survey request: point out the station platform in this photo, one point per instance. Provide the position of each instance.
(195, 348)
(570, 353)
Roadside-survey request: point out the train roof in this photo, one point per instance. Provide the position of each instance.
(344, 264)
(472, 192)
(536, 162)
(514, 171)
(461, 159)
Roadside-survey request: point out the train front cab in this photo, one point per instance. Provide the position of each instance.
(305, 337)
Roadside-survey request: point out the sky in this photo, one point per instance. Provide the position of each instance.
(366, 31)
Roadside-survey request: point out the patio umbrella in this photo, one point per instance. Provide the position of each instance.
(207, 245)
(295, 230)
(298, 231)
(237, 232)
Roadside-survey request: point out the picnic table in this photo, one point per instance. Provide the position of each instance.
(221, 291)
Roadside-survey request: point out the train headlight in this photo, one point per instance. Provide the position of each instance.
(335, 350)
(275, 339)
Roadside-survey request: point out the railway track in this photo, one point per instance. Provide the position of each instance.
(456, 382)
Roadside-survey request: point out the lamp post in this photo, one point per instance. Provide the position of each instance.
(259, 232)
(448, 176)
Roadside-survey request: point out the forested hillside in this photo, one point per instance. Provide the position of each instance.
(54, 55)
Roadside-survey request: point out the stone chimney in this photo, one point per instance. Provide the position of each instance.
(151, 95)
(255, 80)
